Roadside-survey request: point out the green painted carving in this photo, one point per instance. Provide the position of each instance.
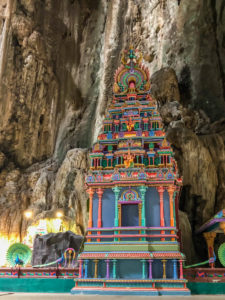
(124, 127)
(146, 161)
(143, 268)
(221, 254)
(104, 163)
(157, 160)
(110, 147)
(116, 190)
(142, 190)
(114, 268)
(130, 247)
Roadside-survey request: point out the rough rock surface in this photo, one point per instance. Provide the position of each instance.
(43, 188)
(49, 247)
(57, 60)
(186, 238)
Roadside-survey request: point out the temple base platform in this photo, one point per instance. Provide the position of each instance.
(143, 287)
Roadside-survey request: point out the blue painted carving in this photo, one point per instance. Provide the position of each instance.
(142, 176)
(109, 136)
(151, 133)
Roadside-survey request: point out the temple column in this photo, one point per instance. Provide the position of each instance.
(114, 268)
(181, 269)
(85, 268)
(116, 190)
(164, 268)
(210, 237)
(107, 268)
(96, 268)
(80, 268)
(143, 190)
(162, 220)
(174, 261)
(99, 193)
(143, 268)
(150, 268)
(90, 192)
(171, 190)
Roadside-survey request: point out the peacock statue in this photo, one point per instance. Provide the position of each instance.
(18, 261)
(18, 255)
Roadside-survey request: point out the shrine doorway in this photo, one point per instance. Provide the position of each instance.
(129, 215)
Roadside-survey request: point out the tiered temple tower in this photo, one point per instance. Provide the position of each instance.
(132, 241)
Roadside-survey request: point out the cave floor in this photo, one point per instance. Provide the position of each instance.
(42, 296)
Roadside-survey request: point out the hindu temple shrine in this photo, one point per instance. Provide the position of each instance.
(132, 244)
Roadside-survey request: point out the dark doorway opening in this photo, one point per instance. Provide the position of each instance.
(129, 215)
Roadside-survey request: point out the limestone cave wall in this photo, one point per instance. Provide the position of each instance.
(57, 60)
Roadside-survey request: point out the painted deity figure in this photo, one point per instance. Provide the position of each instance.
(130, 124)
(129, 159)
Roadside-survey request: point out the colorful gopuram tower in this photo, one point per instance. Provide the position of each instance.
(132, 241)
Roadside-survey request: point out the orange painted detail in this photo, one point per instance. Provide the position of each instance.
(99, 193)
(162, 220)
(171, 190)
